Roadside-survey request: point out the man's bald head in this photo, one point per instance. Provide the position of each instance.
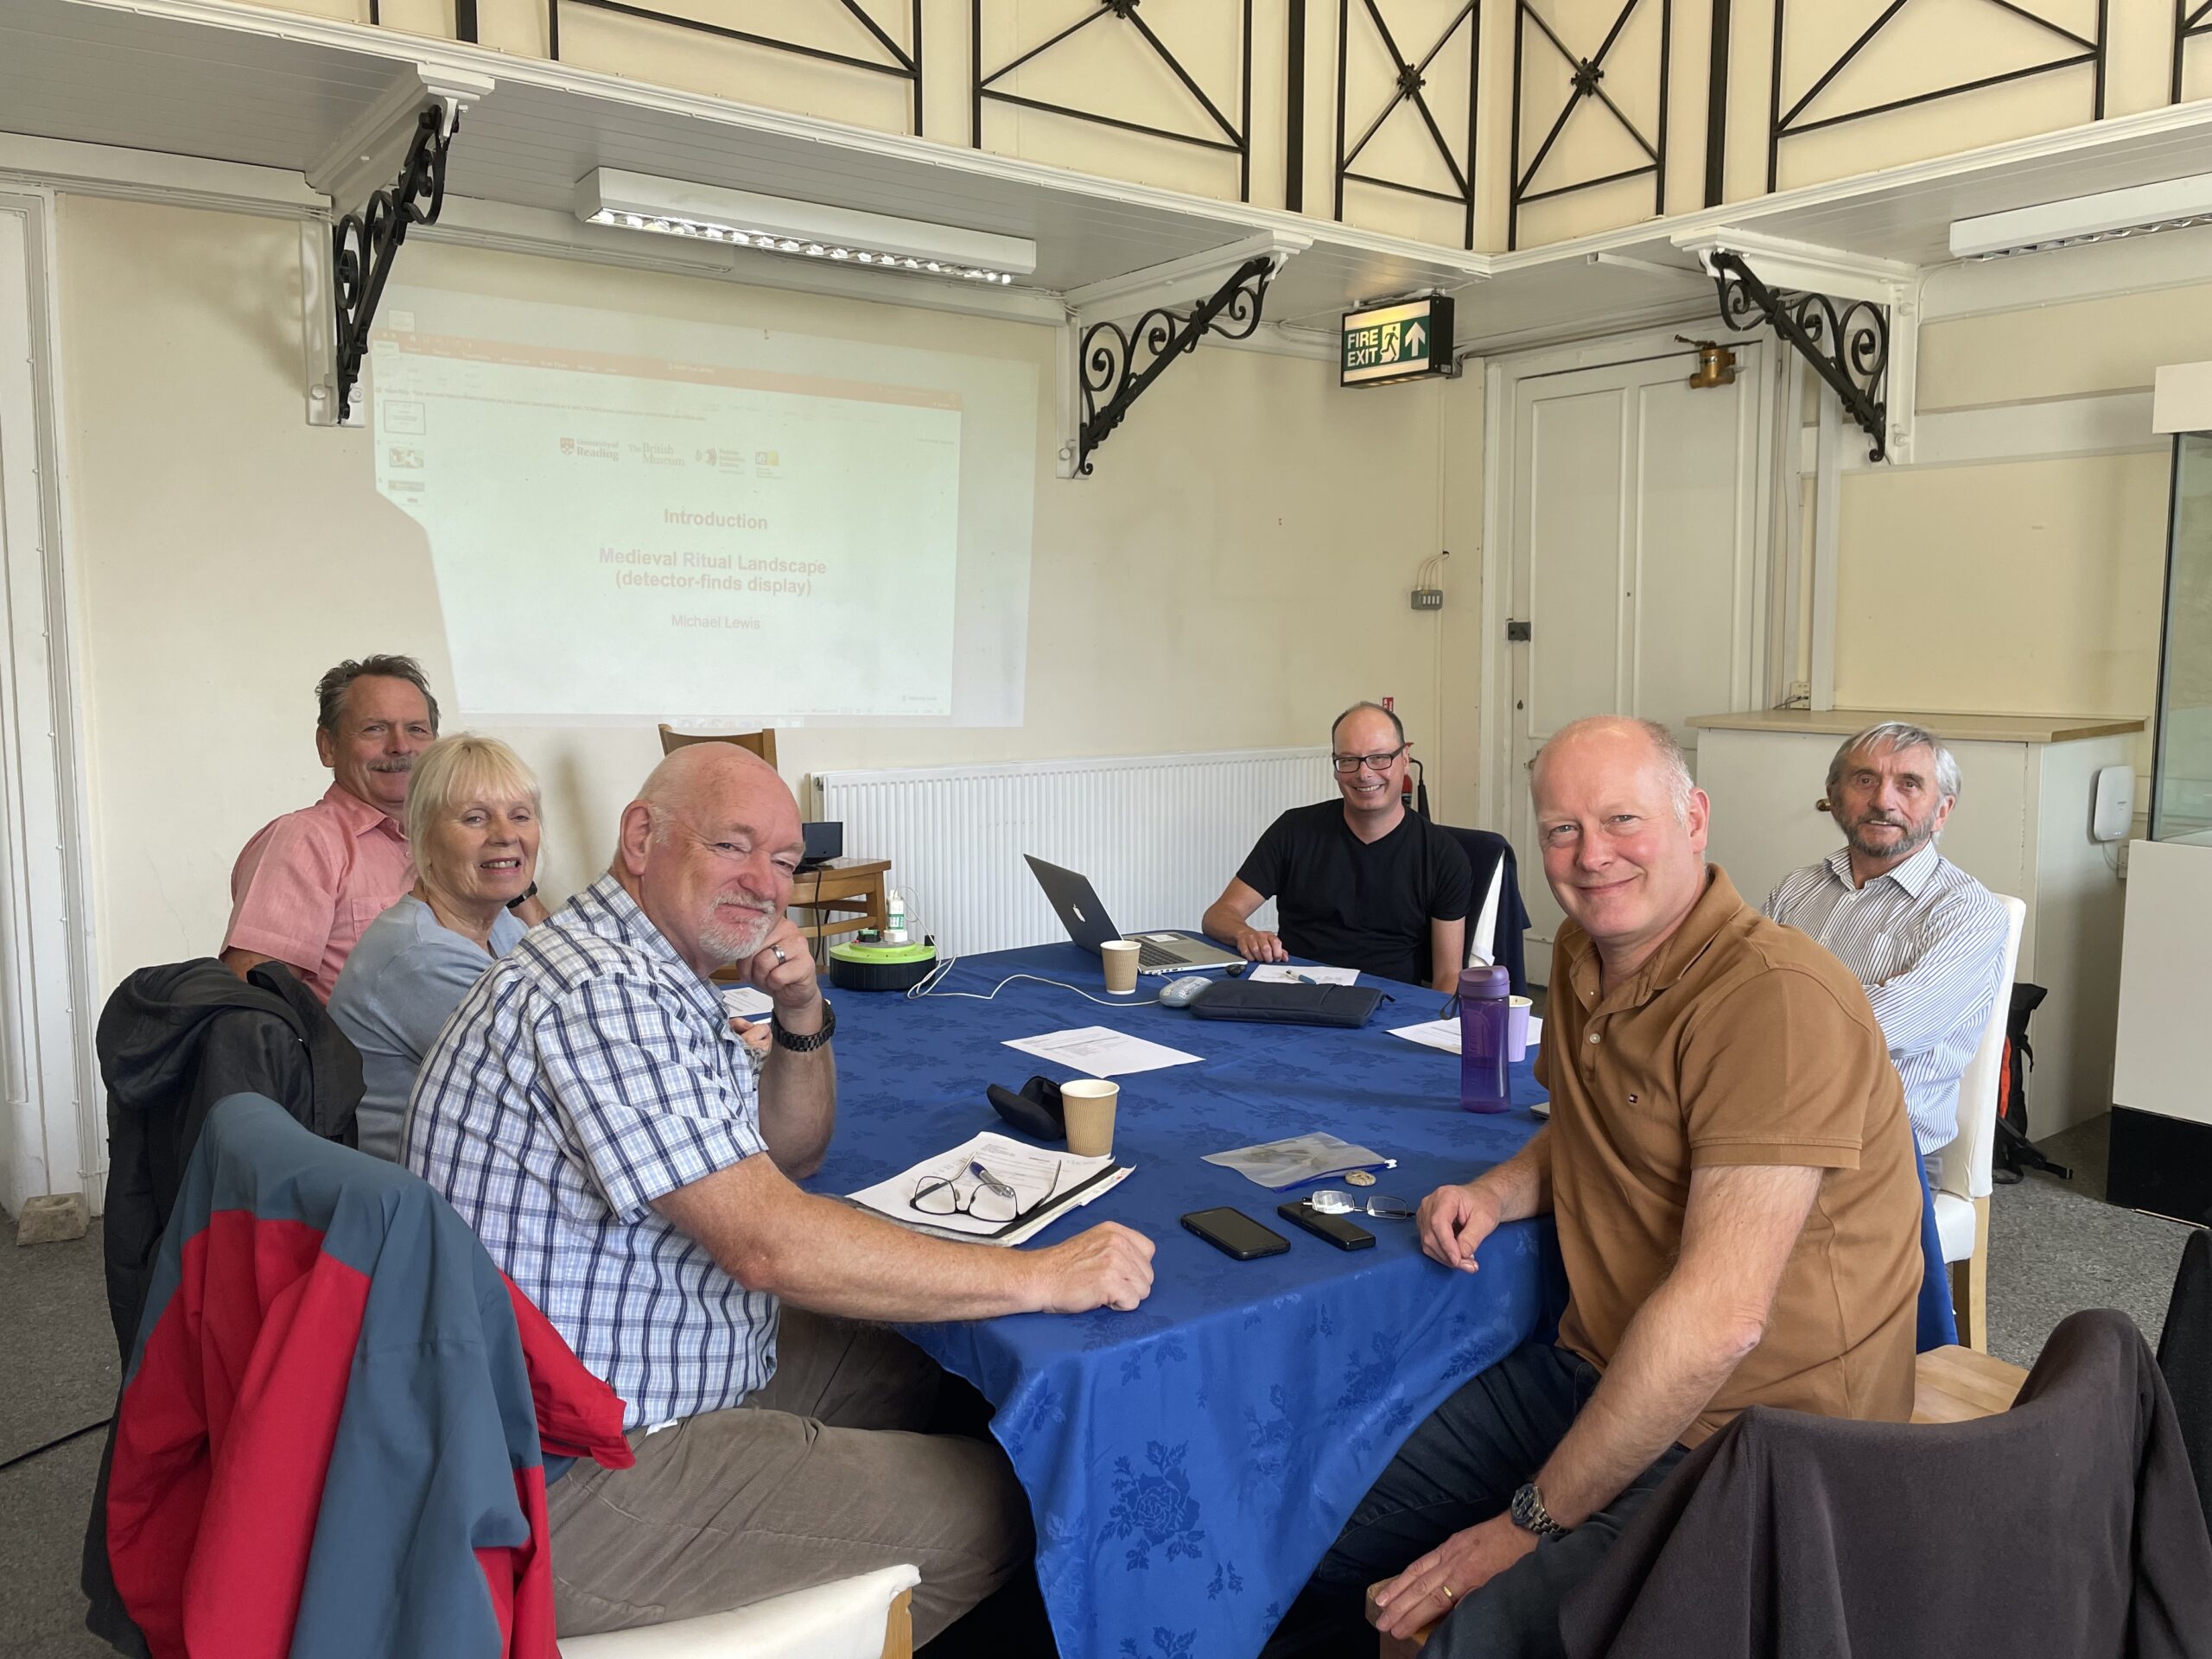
(700, 773)
(709, 849)
(1618, 739)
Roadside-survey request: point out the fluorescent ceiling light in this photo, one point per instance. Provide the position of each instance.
(2141, 210)
(808, 229)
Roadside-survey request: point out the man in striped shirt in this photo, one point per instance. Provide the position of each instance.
(1925, 938)
(590, 1112)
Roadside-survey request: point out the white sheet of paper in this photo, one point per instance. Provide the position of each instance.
(1101, 1052)
(746, 1001)
(1432, 1033)
(1283, 974)
(1444, 1034)
(1032, 1172)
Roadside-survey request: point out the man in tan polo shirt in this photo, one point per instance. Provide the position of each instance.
(1730, 1168)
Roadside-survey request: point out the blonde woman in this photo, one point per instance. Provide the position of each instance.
(473, 825)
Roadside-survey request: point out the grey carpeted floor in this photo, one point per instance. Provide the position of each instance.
(58, 1373)
(2055, 1246)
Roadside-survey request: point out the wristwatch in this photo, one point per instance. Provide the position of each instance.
(1530, 1514)
(524, 896)
(799, 1044)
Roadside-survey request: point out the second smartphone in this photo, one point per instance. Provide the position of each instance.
(1339, 1232)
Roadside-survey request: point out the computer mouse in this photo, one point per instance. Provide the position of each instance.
(1181, 993)
(1236, 969)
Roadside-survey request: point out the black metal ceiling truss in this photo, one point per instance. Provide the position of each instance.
(1409, 77)
(1119, 366)
(1586, 85)
(897, 61)
(1846, 341)
(1234, 139)
(1792, 121)
(364, 245)
(2192, 21)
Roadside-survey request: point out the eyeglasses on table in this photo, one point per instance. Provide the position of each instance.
(1335, 1201)
(988, 1199)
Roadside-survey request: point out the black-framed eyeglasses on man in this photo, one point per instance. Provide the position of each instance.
(1349, 764)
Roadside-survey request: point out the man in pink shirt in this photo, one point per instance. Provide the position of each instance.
(307, 887)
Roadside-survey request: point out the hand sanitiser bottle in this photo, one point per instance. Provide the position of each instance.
(1486, 1083)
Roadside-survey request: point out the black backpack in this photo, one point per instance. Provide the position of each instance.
(2014, 1154)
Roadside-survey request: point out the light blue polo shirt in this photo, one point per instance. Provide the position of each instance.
(395, 995)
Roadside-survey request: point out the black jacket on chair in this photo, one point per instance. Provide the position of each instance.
(2068, 1526)
(171, 1042)
(2185, 1357)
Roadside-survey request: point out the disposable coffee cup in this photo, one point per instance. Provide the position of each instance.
(1516, 1027)
(1121, 957)
(1087, 1104)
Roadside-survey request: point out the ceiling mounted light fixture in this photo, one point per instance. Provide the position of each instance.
(804, 230)
(2139, 210)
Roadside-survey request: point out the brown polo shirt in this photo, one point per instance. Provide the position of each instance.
(1739, 1042)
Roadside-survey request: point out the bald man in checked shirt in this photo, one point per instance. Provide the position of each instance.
(1925, 938)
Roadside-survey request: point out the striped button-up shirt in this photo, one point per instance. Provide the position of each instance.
(589, 1072)
(1926, 941)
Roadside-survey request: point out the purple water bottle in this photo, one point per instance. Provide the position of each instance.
(1485, 1084)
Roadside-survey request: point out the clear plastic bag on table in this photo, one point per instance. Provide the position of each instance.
(1278, 1164)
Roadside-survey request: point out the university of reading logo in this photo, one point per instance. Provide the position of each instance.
(568, 446)
(591, 448)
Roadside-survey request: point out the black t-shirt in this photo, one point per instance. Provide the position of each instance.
(1355, 904)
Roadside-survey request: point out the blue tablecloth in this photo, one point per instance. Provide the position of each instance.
(1188, 1463)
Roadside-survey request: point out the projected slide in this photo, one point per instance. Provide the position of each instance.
(630, 529)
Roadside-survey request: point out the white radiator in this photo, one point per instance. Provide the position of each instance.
(1159, 836)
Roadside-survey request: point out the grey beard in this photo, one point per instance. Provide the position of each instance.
(1915, 836)
(736, 944)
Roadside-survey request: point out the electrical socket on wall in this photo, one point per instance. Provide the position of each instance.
(1428, 599)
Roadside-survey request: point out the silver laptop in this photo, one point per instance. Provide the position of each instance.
(1088, 926)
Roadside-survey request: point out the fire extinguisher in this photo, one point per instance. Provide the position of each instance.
(1407, 797)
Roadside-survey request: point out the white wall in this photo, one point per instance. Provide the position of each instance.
(1235, 572)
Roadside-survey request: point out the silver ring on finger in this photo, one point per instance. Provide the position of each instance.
(780, 956)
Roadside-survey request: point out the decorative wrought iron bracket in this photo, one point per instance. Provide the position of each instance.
(1853, 319)
(404, 137)
(1845, 341)
(364, 245)
(1113, 362)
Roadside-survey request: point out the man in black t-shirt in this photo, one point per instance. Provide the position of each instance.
(1361, 883)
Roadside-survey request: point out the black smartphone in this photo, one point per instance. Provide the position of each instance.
(1339, 1231)
(1235, 1233)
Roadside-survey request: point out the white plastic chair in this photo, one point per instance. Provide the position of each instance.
(866, 1617)
(1962, 1182)
(1482, 932)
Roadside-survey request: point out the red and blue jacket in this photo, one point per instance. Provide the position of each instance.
(329, 1439)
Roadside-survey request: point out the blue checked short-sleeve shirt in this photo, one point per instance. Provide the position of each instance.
(589, 1072)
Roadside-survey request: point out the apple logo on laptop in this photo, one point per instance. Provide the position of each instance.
(1079, 916)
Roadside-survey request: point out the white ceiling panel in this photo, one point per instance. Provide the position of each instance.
(206, 78)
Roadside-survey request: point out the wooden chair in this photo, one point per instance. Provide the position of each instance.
(762, 742)
(1949, 1385)
(1956, 1385)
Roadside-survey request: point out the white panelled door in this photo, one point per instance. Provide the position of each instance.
(1638, 560)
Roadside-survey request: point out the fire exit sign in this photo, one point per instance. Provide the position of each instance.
(1409, 340)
